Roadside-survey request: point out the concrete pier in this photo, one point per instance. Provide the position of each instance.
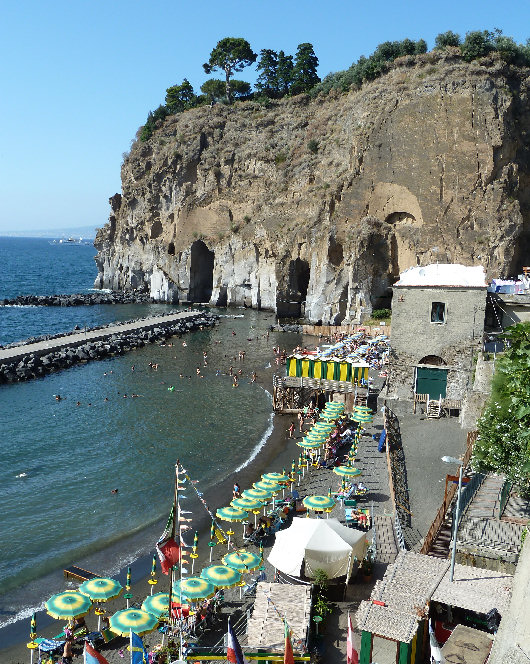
(36, 359)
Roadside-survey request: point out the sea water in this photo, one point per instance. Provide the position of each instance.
(61, 460)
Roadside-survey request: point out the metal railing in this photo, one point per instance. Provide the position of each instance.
(399, 533)
(439, 519)
(504, 497)
(468, 493)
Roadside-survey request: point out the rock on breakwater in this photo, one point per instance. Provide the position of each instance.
(77, 299)
(36, 360)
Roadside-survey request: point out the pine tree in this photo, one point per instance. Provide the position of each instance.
(285, 74)
(267, 82)
(305, 68)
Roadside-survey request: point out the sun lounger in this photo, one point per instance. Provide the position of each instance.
(49, 645)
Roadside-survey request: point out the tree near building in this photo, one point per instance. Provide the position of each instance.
(503, 443)
(180, 97)
(232, 54)
(305, 69)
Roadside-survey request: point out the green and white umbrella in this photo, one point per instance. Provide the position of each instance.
(68, 605)
(347, 471)
(157, 604)
(260, 494)
(101, 590)
(243, 561)
(273, 487)
(309, 444)
(221, 576)
(247, 503)
(275, 477)
(318, 502)
(141, 622)
(194, 588)
(231, 514)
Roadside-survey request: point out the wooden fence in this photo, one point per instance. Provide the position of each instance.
(330, 330)
(439, 519)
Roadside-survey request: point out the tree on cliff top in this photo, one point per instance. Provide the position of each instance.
(180, 97)
(305, 69)
(232, 54)
(503, 443)
(215, 89)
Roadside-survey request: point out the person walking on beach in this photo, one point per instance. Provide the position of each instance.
(291, 430)
(237, 490)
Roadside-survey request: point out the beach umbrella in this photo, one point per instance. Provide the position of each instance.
(318, 502)
(247, 503)
(152, 581)
(273, 487)
(260, 494)
(221, 576)
(242, 561)
(347, 471)
(102, 589)
(309, 444)
(157, 604)
(68, 605)
(140, 622)
(194, 588)
(231, 514)
(275, 477)
(362, 417)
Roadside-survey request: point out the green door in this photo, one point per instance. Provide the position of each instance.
(431, 381)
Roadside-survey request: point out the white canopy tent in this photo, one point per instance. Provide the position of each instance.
(322, 544)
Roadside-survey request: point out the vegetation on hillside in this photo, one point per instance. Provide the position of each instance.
(503, 443)
(282, 75)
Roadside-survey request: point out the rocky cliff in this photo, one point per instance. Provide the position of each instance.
(313, 207)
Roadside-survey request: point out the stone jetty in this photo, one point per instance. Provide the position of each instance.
(78, 299)
(38, 358)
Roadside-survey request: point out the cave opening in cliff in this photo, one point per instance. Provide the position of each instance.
(299, 274)
(201, 272)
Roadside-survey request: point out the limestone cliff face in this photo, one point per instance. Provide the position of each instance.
(314, 206)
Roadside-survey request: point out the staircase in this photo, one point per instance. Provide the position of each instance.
(481, 530)
(442, 544)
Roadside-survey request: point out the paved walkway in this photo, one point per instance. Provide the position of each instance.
(8, 355)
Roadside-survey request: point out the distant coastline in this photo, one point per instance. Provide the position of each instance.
(84, 232)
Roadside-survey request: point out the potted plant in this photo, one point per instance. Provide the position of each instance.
(367, 567)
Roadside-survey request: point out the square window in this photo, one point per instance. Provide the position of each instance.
(437, 312)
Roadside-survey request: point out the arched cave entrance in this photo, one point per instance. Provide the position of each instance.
(290, 303)
(201, 272)
(433, 360)
(402, 249)
(299, 273)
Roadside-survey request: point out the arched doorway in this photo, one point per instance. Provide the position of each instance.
(431, 377)
(201, 272)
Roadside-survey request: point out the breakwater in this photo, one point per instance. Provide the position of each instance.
(78, 299)
(32, 360)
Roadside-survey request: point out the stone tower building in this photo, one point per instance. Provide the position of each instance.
(437, 329)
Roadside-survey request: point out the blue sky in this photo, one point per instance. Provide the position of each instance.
(78, 77)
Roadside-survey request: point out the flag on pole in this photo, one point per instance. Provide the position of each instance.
(288, 657)
(138, 652)
(352, 656)
(234, 654)
(92, 656)
(166, 547)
